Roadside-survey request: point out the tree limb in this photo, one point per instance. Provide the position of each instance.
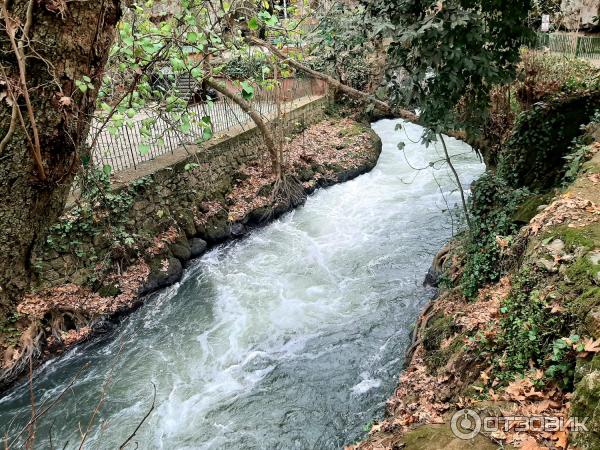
(256, 118)
(132, 435)
(351, 92)
(20, 56)
(458, 183)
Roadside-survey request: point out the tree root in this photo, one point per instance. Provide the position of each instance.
(36, 337)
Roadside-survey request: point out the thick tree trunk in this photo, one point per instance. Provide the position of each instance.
(46, 47)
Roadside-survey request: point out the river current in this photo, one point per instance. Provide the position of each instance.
(290, 338)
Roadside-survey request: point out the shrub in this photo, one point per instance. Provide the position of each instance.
(492, 205)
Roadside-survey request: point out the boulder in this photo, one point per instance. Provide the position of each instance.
(197, 247)
(181, 250)
(237, 229)
(585, 404)
(164, 271)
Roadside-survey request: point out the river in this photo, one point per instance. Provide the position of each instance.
(290, 338)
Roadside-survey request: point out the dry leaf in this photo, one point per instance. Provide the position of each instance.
(531, 444)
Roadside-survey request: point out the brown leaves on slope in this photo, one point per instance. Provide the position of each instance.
(73, 298)
(322, 151)
(46, 311)
(577, 212)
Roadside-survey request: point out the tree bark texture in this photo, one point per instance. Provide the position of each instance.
(53, 44)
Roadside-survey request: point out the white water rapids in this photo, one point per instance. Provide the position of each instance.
(291, 338)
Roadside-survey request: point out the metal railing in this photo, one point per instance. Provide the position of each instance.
(121, 150)
(587, 47)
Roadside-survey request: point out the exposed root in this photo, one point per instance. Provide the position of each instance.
(288, 190)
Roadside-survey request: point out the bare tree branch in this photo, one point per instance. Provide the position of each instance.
(122, 446)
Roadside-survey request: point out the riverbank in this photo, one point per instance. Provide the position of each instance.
(266, 339)
(526, 345)
(51, 320)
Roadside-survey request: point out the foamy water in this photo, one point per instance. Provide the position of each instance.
(292, 337)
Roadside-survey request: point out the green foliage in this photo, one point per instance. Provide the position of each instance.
(581, 151)
(451, 50)
(534, 154)
(492, 205)
(345, 38)
(85, 84)
(532, 334)
(439, 328)
(247, 67)
(586, 237)
(101, 213)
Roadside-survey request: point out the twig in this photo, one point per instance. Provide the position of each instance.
(11, 128)
(122, 446)
(50, 406)
(20, 55)
(459, 185)
(31, 438)
(354, 93)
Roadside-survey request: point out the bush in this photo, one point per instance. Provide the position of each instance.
(534, 154)
(493, 204)
(245, 68)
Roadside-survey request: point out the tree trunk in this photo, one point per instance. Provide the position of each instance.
(257, 119)
(46, 47)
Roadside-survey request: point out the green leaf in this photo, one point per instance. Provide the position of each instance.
(253, 23)
(143, 149)
(207, 134)
(247, 90)
(106, 169)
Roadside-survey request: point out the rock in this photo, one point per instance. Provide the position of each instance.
(440, 437)
(186, 222)
(549, 266)
(237, 229)
(585, 403)
(181, 250)
(216, 229)
(163, 272)
(592, 322)
(556, 247)
(100, 240)
(594, 257)
(197, 247)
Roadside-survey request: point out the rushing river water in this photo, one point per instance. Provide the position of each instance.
(290, 338)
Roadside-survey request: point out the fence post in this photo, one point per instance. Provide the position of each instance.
(577, 46)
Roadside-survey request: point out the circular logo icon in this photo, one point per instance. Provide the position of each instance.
(465, 424)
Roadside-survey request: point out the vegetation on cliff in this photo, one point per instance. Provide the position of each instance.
(513, 331)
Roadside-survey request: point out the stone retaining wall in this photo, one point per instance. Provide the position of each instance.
(174, 194)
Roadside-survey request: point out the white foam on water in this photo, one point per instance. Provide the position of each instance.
(262, 335)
